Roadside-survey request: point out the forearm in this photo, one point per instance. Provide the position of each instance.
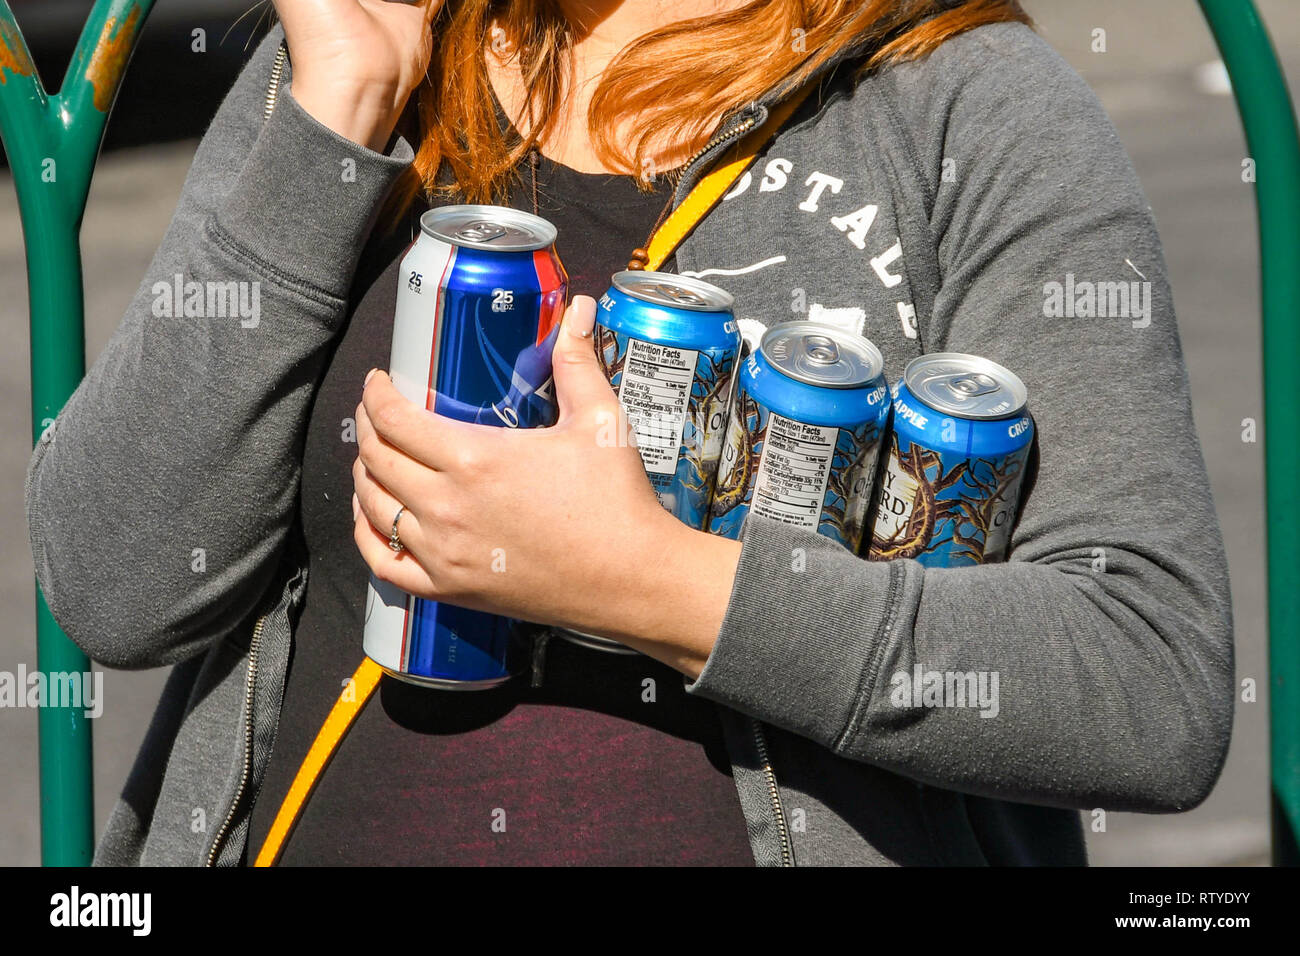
(1084, 689)
(672, 592)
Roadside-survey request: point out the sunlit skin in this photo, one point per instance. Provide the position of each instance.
(584, 541)
(603, 28)
(355, 63)
(567, 510)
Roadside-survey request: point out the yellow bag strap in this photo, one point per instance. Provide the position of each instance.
(341, 716)
(667, 237)
(712, 187)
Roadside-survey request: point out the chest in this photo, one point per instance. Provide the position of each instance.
(825, 226)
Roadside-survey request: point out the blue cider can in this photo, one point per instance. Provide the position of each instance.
(668, 346)
(949, 492)
(480, 296)
(806, 425)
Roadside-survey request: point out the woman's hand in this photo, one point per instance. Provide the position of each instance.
(555, 525)
(355, 62)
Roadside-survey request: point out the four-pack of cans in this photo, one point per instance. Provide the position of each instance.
(797, 424)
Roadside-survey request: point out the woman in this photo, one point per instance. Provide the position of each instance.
(948, 173)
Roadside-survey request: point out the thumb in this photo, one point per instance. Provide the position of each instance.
(579, 382)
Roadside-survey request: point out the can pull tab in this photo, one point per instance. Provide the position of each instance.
(678, 294)
(821, 349)
(481, 231)
(971, 384)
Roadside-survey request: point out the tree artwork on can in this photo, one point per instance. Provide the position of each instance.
(848, 489)
(742, 451)
(679, 437)
(949, 492)
(945, 510)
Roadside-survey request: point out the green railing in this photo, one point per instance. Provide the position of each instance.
(1269, 121)
(52, 143)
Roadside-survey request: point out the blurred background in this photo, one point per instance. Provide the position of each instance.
(1159, 78)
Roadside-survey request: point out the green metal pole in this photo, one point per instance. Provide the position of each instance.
(1269, 121)
(52, 143)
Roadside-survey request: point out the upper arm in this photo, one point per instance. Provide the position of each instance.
(1044, 223)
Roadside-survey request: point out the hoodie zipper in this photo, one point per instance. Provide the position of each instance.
(250, 681)
(687, 174)
(277, 72)
(773, 792)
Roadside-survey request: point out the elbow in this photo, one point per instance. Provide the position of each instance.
(1203, 697)
(1167, 760)
(1190, 768)
(140, 651)
(1184, 743)
(111, 633)
(90, 597)
(116, 639)
(1175, 686)
(1200, 750)
(96, 627)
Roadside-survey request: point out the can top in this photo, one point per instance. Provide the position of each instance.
(494, 228)
(822, 355)
(966, 386)
(673, 290)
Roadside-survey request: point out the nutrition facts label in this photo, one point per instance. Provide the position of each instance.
(792, 475)
(655, 392)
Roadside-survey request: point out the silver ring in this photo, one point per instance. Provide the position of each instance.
(394, 539)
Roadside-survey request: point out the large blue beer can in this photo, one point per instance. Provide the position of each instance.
(806, 426)
(481, 293)
(949, 492)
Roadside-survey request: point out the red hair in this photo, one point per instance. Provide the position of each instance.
(671, 86)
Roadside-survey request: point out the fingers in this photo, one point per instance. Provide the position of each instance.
(409, 481)
(373, 511)
(397, 568)
(379, 504)
(433, 440)
(579, 382)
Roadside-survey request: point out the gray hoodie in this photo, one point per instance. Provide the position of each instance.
(979, 201)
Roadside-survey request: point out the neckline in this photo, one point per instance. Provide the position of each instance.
(558, 169)
(598, 191)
